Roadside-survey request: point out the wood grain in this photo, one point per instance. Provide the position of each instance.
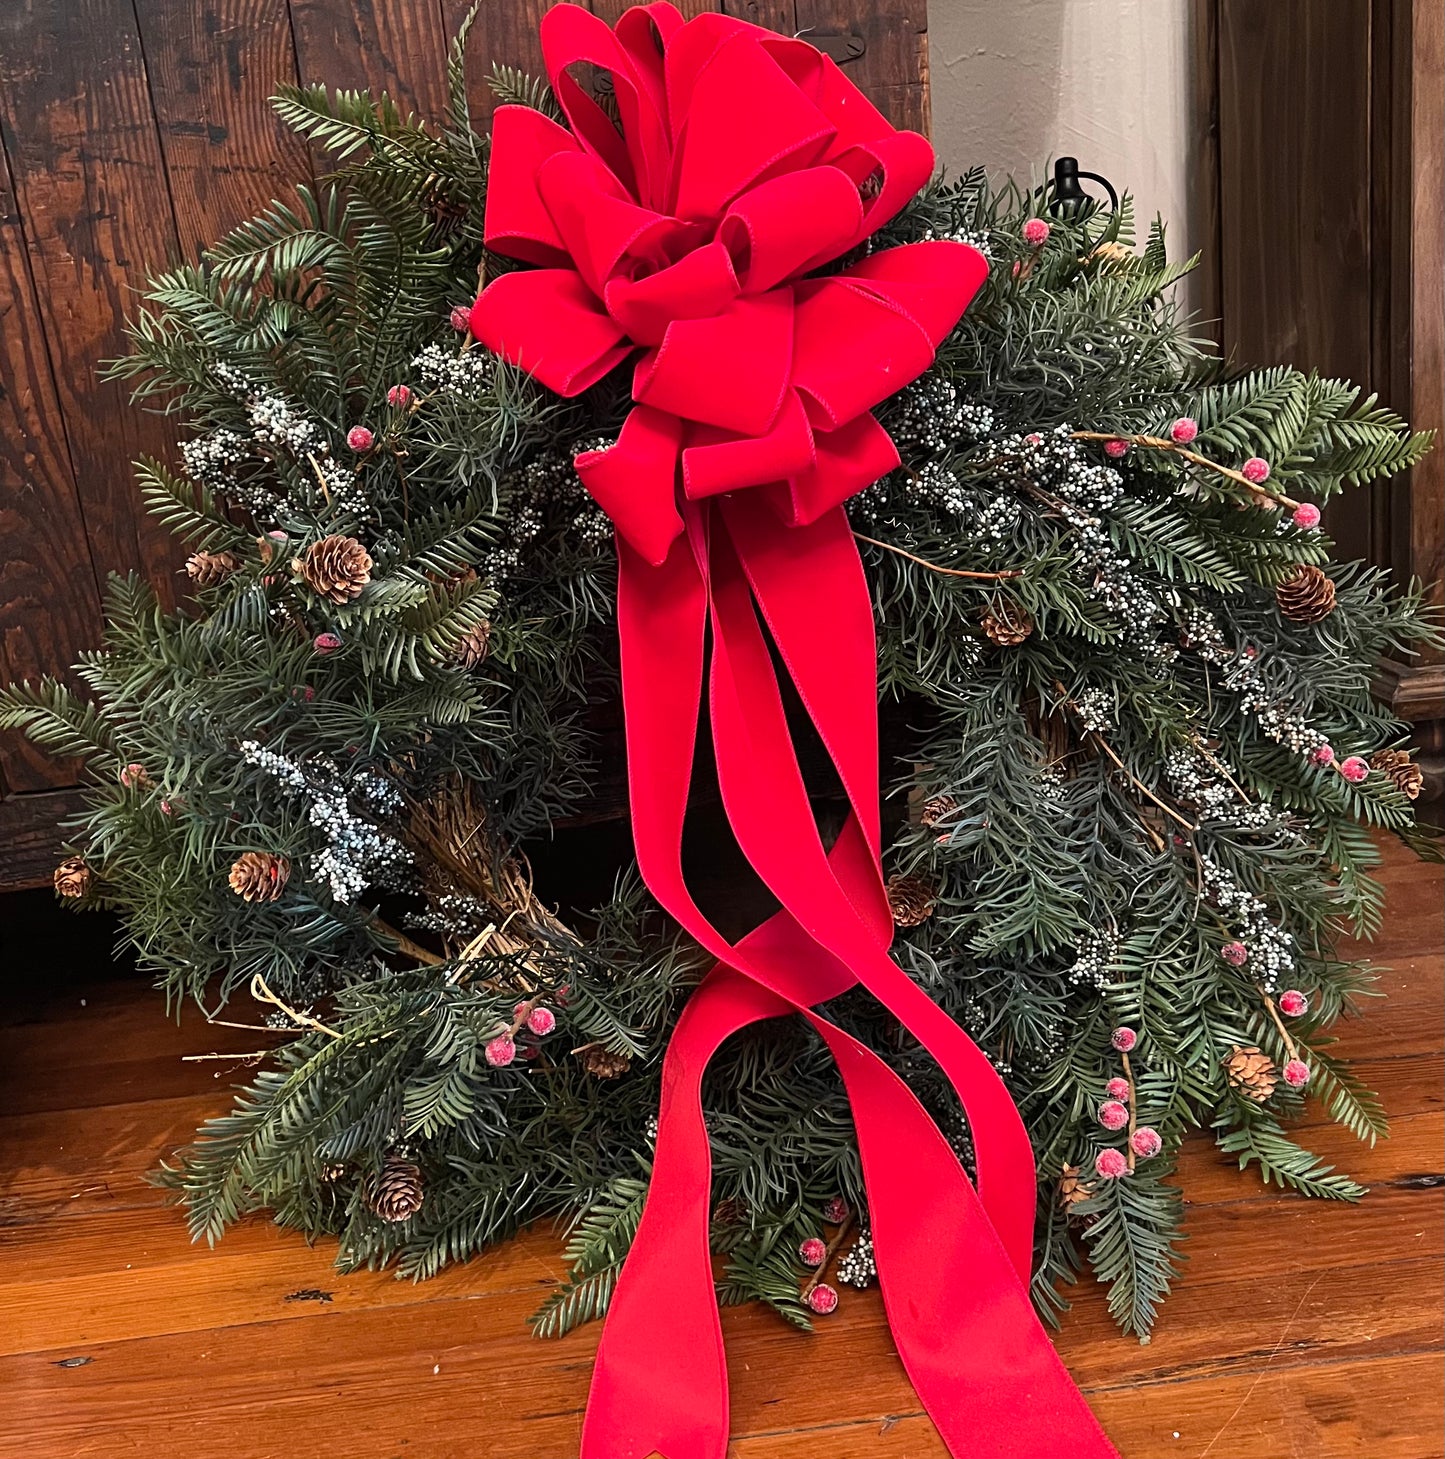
(1296, 1327)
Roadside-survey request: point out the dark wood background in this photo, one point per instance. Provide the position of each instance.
(134, 131)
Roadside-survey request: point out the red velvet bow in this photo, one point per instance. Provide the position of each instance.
(744, 162)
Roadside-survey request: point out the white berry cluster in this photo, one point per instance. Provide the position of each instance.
(343, 485)
(464, 373)
(454, 916)
(1094, 960)
(358, 854)
(1271, 950)
(278, 425)
(1196, 782)
(933, 414)
(1095, 708)
(1275, 717)
(211, 459)
(856, 1268)
(1054, 462)
(974, 237)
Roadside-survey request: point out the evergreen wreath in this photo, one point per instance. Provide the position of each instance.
(1129, 724)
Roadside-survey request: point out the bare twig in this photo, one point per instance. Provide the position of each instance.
(952, 572)
(1160, 443)
(263, 994)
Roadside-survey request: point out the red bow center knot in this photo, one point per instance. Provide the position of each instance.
(744, 161)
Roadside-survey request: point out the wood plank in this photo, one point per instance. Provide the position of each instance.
(213, 66)
(49, 595)
(893, 70)
(91, 184)
(396, 46)
(30, 825)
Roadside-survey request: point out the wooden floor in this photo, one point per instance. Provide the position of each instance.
(1299, 1328)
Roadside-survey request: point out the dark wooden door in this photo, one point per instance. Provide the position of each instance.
(132, 132)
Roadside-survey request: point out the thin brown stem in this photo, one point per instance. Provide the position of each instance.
(1291, 1047)
(839, 1237)
(263, 994)
(1160, 443)
(952, 572)
(1133, 1106)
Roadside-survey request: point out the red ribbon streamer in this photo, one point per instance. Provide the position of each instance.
(744, 161)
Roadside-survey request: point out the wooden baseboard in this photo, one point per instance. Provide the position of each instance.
(30, 835)
(1415, 692)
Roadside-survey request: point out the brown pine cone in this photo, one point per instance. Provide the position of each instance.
(935, 809)
(206, 569)
(258, 876)
(336, 568)
(1307, 595)
(397, 1193)
(1406, 776)
(1006, 623)
(1073, 1188)
(1251, 1071)
(73, 877)
(472, 648)
(602, 1063)
(910, 899)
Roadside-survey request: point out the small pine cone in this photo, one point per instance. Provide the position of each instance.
(1251, 1071)
(1402, 771)
(73, 877)
(336, 568)
(472, 648)
(396, 1194)
(602, 1063)
(911, 900)
(936, 809)
(206, 569)
(258, 876)
(1007, 623)
(730, 1211)
(1307, 595)
(1073, 1188)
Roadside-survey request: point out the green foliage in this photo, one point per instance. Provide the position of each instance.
(1108, 802)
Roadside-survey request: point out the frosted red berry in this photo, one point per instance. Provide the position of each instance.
(1124, 1039)
(461, 319)
(500, 1051)
(1184, 430)
(1115, 449)
(541, 1021)
(1145, 1142)
(823, 1299)
(1113, 1115)
(1036, 232)
(399, 396)
(1236, 954)
(1255, 470)
(1111, 1164)
(359, 438)
(1117, 1089)
(835, 1212)
(1306, 516)
(1292, 1003)
(813, 1252)
(1354, 769)
(1296, 1073)
(1323, 755)
(326, 643)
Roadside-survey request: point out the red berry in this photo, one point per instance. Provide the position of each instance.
(1115, 449)
(1124, 1039)
(359, 438)
(1296, 1073)
(1184, 430)
(541, 1021)
(1111, 1164)
(500, 1051)
(1113, 1115)
(823, 1299)
(1292, 1003)
(326, 643)
(1146, 1143)
(1324, 755)
(836, 1211)
(1236, 954)
(461, 319)
(1036, 232)
(1255, 470)
(399, 396)
(1354, 769)
(813, 1252)
(1306, 516)
(1117, 1089)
